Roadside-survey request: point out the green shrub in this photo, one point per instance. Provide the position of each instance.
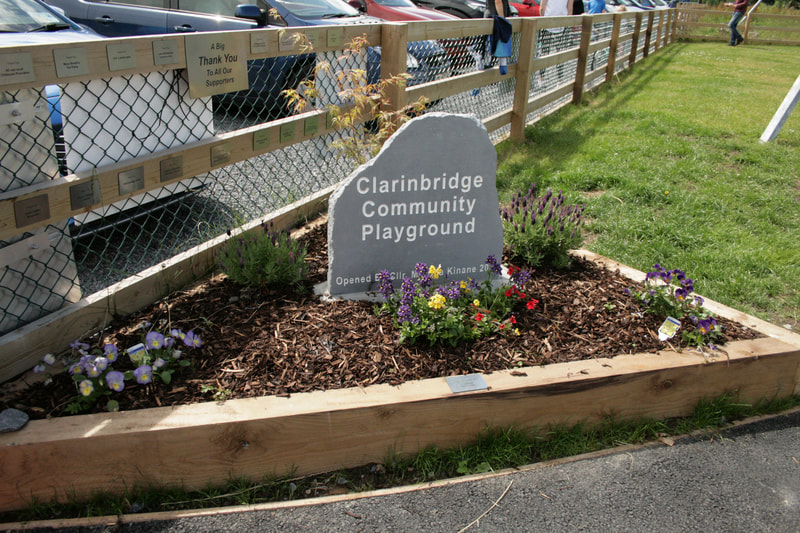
(268, 258)
(541, 230)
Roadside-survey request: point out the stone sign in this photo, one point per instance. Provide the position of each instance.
(429, 196)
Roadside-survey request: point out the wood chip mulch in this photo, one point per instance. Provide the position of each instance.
(260, 342)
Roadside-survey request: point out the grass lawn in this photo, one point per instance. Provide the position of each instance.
(671, 167)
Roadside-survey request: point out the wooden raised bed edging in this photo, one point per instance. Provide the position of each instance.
(315, 432)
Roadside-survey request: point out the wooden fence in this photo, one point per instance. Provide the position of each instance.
(633, 36)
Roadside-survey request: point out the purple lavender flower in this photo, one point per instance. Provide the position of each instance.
(115, 381)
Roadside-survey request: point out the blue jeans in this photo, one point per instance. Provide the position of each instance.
(735, 35)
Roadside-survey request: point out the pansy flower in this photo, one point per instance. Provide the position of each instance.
(154, 340)
(86, 387)
(143, 374)
(115, 380)
(111, 352)
(192, 340)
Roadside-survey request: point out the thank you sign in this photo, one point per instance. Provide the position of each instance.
(216, 63)
(429, 196)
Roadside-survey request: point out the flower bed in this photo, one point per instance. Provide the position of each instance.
(325, 429)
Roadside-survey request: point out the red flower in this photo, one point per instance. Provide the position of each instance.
(512, 270)
(479, 317)
(522, 295)
(532, 303)
(502, 326)
(509, 292)
(513, 319)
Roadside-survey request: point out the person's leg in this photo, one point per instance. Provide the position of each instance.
(736, 37)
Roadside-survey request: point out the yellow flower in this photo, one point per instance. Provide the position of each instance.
(436, 301)
(476, 302)
(516, 331)
(435, 272)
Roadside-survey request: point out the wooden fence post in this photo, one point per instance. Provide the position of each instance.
(612, 47)
(648, 34)
(394, 42)
(527, 48)
(583, 54)
(637, 30)
(672, 25)
(659, 29)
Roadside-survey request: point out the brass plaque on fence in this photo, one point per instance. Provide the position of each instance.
(165, 52)
(171, 168)
(220, 154)
(84, 194)
(121, 56)
(131, 180)
(71, 62)
(258, 42)
(335, 37)
(16, 68)
(216, 63)
(260, 140)
(311, 126)
(31, 210)
(287, 133)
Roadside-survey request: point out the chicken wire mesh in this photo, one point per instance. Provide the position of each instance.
(86, 125)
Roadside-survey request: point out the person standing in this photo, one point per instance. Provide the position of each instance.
(498, 7)
(739, 9)
(555, 37)
(597, 6)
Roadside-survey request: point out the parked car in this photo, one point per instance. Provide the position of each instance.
(268, 77)
(398, 10)
(528, 8)
(616, 6)
(28, 22)
(464, 9)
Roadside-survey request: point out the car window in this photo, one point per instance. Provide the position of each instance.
(216, 7)
(318, 8)
(145, 3)
(25, 16)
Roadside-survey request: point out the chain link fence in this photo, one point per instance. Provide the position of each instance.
(86, 125)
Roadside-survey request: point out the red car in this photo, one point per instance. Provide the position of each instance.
(398, 10)
(528, 8)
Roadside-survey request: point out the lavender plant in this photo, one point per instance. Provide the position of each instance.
(669, 293)
(269, 258)
(540, 230)
(432, 308)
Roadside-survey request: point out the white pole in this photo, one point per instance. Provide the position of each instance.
(782, 113)
(751, 10)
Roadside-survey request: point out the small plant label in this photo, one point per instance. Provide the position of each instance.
(428, 196)
(669, 328)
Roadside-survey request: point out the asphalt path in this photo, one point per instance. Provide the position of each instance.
(745, 478)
